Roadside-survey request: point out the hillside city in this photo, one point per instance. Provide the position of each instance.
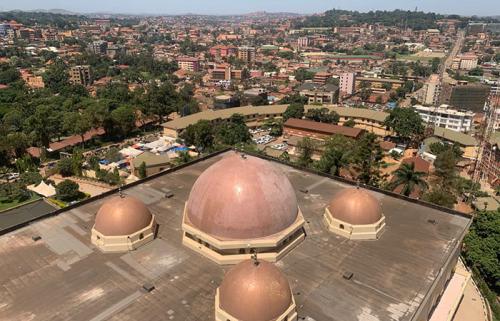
(402, 103)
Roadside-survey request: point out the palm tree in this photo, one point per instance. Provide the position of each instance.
(407, 177)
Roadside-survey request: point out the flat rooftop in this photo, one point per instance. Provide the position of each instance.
(64, 277)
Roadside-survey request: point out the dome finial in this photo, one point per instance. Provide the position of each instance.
(254, 257)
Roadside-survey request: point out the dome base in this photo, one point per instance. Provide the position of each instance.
(354, 232)
(124, 243)
(227, 252)
(220, 315)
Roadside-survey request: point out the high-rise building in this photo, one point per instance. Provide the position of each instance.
(347, 83)
(431, 90)
(247, 54)
(80, 75)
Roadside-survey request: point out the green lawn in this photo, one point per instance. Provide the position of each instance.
(9, 205)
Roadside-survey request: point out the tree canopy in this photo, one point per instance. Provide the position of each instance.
(406, 122)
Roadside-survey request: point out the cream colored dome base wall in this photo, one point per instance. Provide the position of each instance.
(123, 243)
(220, 315)
(227, 252)
(354, 232)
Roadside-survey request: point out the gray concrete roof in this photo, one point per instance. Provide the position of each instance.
(63, 277)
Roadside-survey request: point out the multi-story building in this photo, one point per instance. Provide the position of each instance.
(319, 94)
(189, 63)
(303, 42)
(490, 164)
(446, 117)
(468, 62)
(321, 78)
(431, 90)
(80, 75)
(3, 29)
(98, 47)
(114, 50)
(246, 54)
(347, 83)
(221, 51)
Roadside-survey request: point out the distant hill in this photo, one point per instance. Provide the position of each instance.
(411, 19)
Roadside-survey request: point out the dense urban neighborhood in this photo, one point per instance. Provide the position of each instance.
(403, 105)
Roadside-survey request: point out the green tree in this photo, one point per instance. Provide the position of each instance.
(142, 171)
(387, 86)
(323, 115)
(75, 123)
(368, 159)
(350, 123)
(18, 142)
(43, 125)
(294, 110)
(123, 119)
(440, 196)
(302, 74)
(68, 191)
(409, 179)
(65, 167)
(337, 155)
(482, 247)
(56, 77)
(445, 167)
(200, 134)
(439, 147)
(406, 122)
(435, 62)
(232, 132)
(183, 158)
(306, 148)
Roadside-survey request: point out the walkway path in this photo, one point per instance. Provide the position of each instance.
(472, 307)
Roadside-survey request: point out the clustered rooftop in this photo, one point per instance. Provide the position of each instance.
(240, 208)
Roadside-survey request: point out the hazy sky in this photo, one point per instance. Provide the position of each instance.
(476, 7)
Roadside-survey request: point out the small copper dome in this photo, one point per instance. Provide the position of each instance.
(242, 197)
(355, 206)
(255, 291)
(122, 216)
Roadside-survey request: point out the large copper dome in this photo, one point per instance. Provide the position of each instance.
(355, 206)
(255, 291)
(242, 197)
(122, 216)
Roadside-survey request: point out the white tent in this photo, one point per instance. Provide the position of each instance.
(131, 152)
(43, 189)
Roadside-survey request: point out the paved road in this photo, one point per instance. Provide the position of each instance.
(453, 53)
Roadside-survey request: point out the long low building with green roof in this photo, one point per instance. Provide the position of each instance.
(255, 116)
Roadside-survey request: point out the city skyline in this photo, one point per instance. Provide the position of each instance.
(480, 7)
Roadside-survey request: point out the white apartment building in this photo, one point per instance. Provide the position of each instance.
(446, 117)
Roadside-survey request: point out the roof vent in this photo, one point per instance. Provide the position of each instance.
(148, 287)
(431, 221)
(36, 238)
